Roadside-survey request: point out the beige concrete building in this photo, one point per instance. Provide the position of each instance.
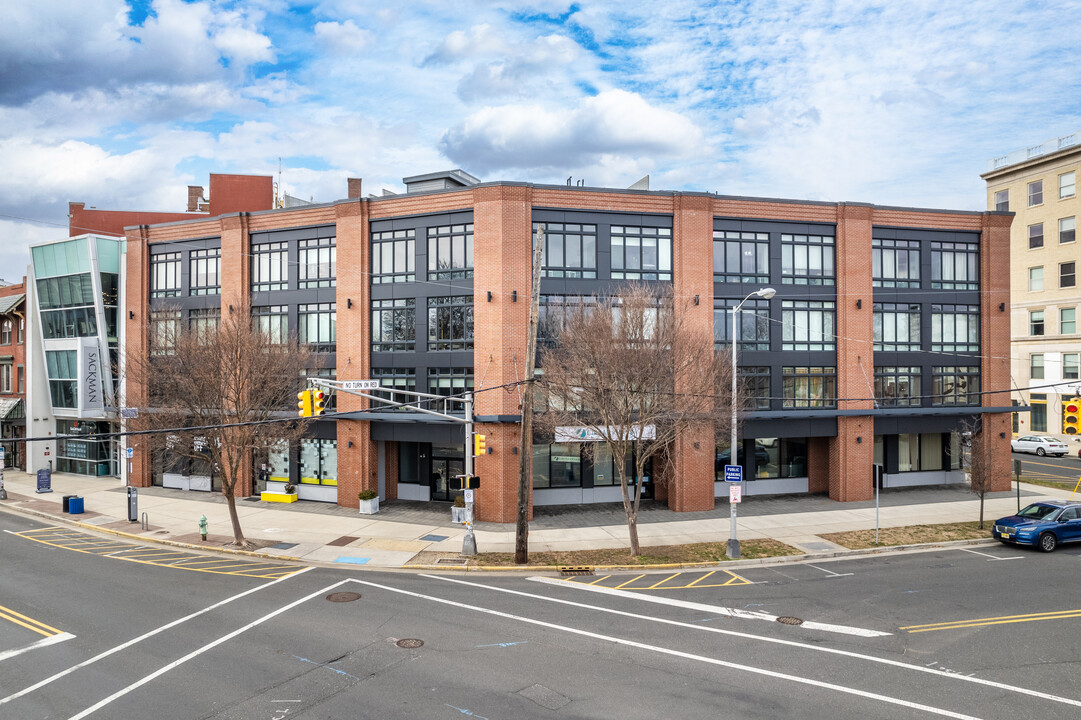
(1039, 184)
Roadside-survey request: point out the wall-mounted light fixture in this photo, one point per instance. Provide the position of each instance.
(514, 295)
(1002, 307)
(859, 303)
(514, 450)
(489, 296)
(859, 439)
(1002, 435)
(695, 299)
(349, 444)
(131, 314)
(230, 309)
(349, 302)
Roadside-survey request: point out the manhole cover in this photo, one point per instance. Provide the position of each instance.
(343, 596)
(789, 620)
(409, 643)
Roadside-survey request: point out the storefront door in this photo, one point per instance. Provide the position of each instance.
(443, 471)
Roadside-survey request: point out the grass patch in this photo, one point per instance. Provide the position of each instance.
(859, 539)
(660, 555)
(1057, 484)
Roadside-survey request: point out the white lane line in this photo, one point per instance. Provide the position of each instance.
(713, 609)
(152, 633)
(830, 572)
(676, 653)
(993, 557)
(209, 646)
(766, 639)
(51, 640)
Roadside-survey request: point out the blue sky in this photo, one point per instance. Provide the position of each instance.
(121, 105)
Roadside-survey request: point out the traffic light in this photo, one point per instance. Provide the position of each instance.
(305, 404)
(1070, 411)
(479, 446)
(318, 397)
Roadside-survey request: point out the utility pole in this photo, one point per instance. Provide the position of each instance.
(525, 443)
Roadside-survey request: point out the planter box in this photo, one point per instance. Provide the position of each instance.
(459, 515)
(369, 507)
(278, 497)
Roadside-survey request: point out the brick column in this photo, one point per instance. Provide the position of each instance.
(502, 260)
(691, 486)
(136, 319)
(995, 343)
(357, 458)
(236, 297)
(851, 451)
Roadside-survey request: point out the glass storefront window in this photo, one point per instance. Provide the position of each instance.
(908, 452)
(318, 462)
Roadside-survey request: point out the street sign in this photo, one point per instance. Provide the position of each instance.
(733, 473)
(735, 494)
(360, 385)
(129, 452)
(468, 496)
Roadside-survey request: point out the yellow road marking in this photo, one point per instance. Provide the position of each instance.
(662, 582)
(711, 572)
(27, 622)
(630, 581)
(1002, 620)
(599, 579)
(742, 580)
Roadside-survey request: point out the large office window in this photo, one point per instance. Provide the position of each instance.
(752, 325)
(895, 263)
(896, 327)
(898, 386)
(204, 322)
(570, 249)
(740, 257)
(955, 328)
(204, 272)
(641, 253)
(269, 266)
(164, 328)
(318, 326)
(754, 384)
(1067, 229)
(1035, 235)
(807, 325)
(67, 306)
(555, 311)
(272, 321)
(1002, 200)
(1067, 183)
(450, 252)
(809, 387)
(394, 256)
(165, 275)
(1070, 366)
(450, 323)
(1067, 274)
(955, 266)
(1035, 322)
(559, 465)
(807, 260)
(450, 381)
(1038, 416)
(1067, 321)
(394, 325)
(317, 259)
(922, 451)
(63, 371)
(1035, 193)
(1035, 366)
(955, 385)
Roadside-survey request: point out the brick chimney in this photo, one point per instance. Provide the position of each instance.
(196, 201)
(354, 188)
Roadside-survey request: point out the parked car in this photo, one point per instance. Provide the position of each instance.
(1042, 524)
(1040, 445)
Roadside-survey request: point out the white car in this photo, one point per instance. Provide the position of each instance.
(1040, 445)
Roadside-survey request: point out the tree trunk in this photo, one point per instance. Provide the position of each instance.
(229, 491)
(632, 530)
(981, 511)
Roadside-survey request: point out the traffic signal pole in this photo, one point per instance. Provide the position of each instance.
(469, 542)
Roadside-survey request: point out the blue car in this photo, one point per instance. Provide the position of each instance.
(1043, 524)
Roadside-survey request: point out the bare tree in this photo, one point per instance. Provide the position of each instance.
(636, 374)
(976, 460)
(229, 378)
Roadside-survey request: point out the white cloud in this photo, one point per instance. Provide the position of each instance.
(614, 122)
(343, 38)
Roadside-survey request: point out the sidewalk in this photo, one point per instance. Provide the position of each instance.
(322, 533)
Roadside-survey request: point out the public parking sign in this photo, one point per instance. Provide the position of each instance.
(733, 473)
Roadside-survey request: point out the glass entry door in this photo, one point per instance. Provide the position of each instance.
(443, 470)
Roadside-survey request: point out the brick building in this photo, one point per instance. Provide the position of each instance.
(889, 327)
(13, 371)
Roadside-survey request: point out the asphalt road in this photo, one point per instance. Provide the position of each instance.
(95, 628)
(1063, 469)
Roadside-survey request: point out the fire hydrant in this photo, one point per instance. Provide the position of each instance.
(202, 526)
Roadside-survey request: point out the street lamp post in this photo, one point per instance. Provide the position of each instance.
(733, 535)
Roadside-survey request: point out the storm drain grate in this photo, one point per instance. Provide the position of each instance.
(788, 620)
(409, 643)
(569, 570)
(343, 596)
(450, 561)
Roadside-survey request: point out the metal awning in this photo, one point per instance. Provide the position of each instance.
(9, 406)
(7, 304)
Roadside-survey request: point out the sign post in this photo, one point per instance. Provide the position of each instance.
(3, 490)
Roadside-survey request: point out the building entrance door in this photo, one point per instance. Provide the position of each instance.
(443, 470)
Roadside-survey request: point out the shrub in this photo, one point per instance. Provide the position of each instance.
(367, 495)
(459, 501)
(290, 488)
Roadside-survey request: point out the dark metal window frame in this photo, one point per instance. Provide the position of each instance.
(797, 265)
(945, 270)
(800, 314)
(886, 254)
(394, 256)
(753, 324)
(808, 386)
(955, 385)
(402, 335)
(457, 240)
(165, 277)
(450, 323)
(322, 272)
(888, 315)
(265, 259)
(948, 341)
(625, 266)
(898, 385)
(733, 250)
(204, 271)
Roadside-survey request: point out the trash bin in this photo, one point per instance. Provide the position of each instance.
(75, 505)
(66, 501)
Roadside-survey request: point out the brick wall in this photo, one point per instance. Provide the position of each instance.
(995, 343)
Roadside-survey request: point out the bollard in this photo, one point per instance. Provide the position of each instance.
(202, 526)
